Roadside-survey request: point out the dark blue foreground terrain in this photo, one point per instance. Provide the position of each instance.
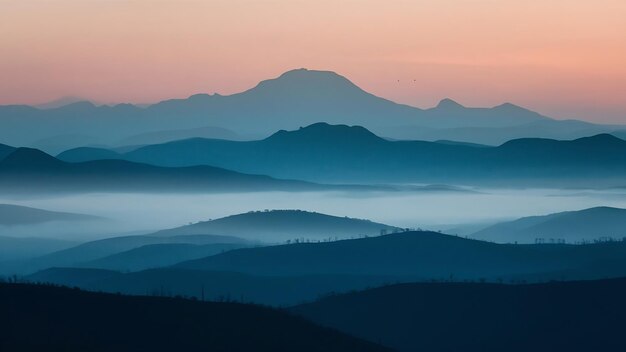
(557, 316)
(45, 318)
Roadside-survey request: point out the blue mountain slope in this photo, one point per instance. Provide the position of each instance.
(339, 153)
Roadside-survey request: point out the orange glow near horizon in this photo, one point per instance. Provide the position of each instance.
(563, 58)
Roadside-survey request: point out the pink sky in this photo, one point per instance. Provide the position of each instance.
(564, 58)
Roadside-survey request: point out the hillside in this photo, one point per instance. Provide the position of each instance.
(339, 153)
(13, 248)
(269, 290)
(425, 255)
(571, 226)
(282, 225)
(11, 215)
(158, 255)
(87, 252)
(558, 316)
(50, 318)
(30, 170)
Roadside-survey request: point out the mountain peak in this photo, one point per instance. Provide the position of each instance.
(309, 81)
(509, 107)
(448, 103)
(602, 138)
(323, 131)
(29, 157)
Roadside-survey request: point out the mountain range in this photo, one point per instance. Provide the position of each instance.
(424, 255)
(13, 248)
(278, 291)
(11, 215)
(340, 153)
(87, 254)
(294, 273)
(27, 170)
(296, 98)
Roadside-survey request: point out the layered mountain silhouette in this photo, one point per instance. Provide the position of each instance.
(12, 248)
(340, 153)
(20, 215)
(36, 318)
(158, 255)
(31, 170)
(281, 225)
(588, 224)
(291, 274)
(279, 291)
(557, 316)
(87, 254)
(296, 98)
(424, 256)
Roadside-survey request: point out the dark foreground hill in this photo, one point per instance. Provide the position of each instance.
(39, 318)
(280, 225)
(471, 317)
(571, 226)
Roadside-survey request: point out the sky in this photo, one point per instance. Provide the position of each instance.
(563, 58)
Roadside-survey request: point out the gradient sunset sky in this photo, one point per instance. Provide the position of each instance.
(563, 58)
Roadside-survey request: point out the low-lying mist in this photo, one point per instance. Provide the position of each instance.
(457, 212)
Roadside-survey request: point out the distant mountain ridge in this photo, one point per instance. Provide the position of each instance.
(296, 98)
(87, 254)
(11, 215)
(340, 153)
(587, 224)
(31, 170)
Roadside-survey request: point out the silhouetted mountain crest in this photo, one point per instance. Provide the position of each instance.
(5, 150)
(448, 103)
(599, 141)
(77, 106)
(303, 78)
(602, 139)
(30, 158)
(323, 131)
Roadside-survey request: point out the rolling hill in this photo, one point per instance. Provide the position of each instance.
(60, 319)
(558, 316)
(88, 252)
(11, 215)
(281, 225)
(262, 289)
(572, 226)
(13, 248)
(340, 153)
(29, 170)
(424, 255)
(158, 255)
